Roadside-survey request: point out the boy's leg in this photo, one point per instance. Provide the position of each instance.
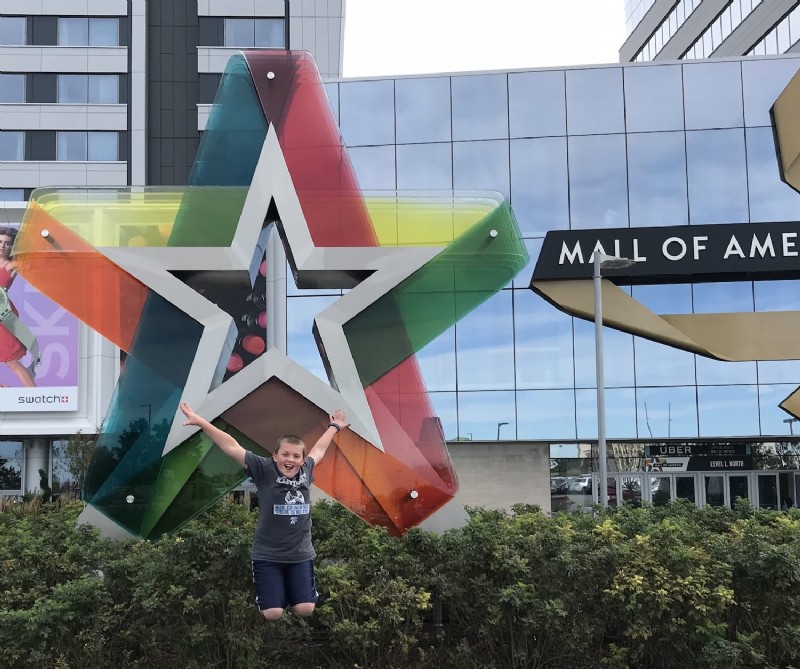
(268, 579)
(301, 587)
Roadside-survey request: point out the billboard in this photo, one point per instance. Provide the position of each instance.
(38, 343)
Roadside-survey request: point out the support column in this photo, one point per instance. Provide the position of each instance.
(37, 456)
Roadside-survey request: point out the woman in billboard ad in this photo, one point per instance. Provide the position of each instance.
(11, 348)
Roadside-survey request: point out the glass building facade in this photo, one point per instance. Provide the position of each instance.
(601, 147)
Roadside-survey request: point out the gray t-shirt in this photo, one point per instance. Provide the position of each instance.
(283, 533)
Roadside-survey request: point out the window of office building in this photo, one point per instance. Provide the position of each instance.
(12, 145)
(259, 33)
(88, 88)
(12, 88)
(95, 146)
(12, 194)
(85, 31)
(12, 30)
(10, 466)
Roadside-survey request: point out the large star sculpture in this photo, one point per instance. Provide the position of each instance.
(162, 274)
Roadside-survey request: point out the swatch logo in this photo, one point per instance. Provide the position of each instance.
(44, 399)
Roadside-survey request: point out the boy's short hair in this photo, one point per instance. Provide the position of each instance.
(290, 439)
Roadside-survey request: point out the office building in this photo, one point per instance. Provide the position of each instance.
(693, 29)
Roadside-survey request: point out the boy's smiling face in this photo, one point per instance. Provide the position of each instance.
(289, 458)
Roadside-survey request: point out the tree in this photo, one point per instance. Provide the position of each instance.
(77, 453)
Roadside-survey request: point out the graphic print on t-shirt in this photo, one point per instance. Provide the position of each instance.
(295, 506)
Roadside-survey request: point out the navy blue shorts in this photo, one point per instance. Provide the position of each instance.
(280, 585)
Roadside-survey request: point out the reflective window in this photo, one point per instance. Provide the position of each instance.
(374, 166)
(768, 491)
(665, 298)
(618, 354)
(437, 361)
(300, 344)
(423, 110)
(12, 30)
(685, 488)
(480, 107)
(727, 410)
(763, 82)
(523, 278)
(664, 413)
(546, 414)
(711, 372)
(366, 109)
(662, 365)
(776, 295)
(717, 176)
(481, 165)
(445, 408)
(103, 146)
(83, 31)
(779, 371)
(12, 88)
(713, 95)
(103, 89)
(11, 466)
(103, 32)
(542, 343)
(424, 166)
(239, 32)
(594, 101)
(598, 182)
(774, 420)
(536, 104)
(332, 91)
(259, 33)
(659, 364)
(88, 88)
(714, 487)
(63, 480)
(487, 416)
(269, 33)
(485, 345)
(12, 195)
(12, 145)
(71, 146)
(620, 413)
(539, 184)
(770, 198)
(657, 179)
(653, 98)
(95, 146)
(660, 492)
(723, 297)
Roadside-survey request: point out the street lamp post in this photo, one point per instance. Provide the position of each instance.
(790, 422)
(601, 262)
(499, 425)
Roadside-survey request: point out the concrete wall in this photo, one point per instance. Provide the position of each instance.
(497, 475)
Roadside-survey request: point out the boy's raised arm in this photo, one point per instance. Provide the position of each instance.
(227, 444)
(338, 422)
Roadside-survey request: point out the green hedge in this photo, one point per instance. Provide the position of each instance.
(674, 586)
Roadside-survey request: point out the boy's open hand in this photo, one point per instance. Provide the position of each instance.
(191, 417)
(338, 418)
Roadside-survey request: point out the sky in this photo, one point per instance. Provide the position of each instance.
(391, 37)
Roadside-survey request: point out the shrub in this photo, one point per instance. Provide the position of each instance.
(645, 587)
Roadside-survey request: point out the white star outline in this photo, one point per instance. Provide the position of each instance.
(272, 180)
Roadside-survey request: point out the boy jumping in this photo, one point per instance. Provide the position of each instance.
(283, 568)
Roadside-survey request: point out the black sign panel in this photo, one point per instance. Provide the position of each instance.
(676, 254)
(698, 457)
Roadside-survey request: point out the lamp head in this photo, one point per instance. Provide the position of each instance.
(612, 262)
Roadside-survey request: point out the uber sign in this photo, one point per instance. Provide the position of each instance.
(677, 254)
